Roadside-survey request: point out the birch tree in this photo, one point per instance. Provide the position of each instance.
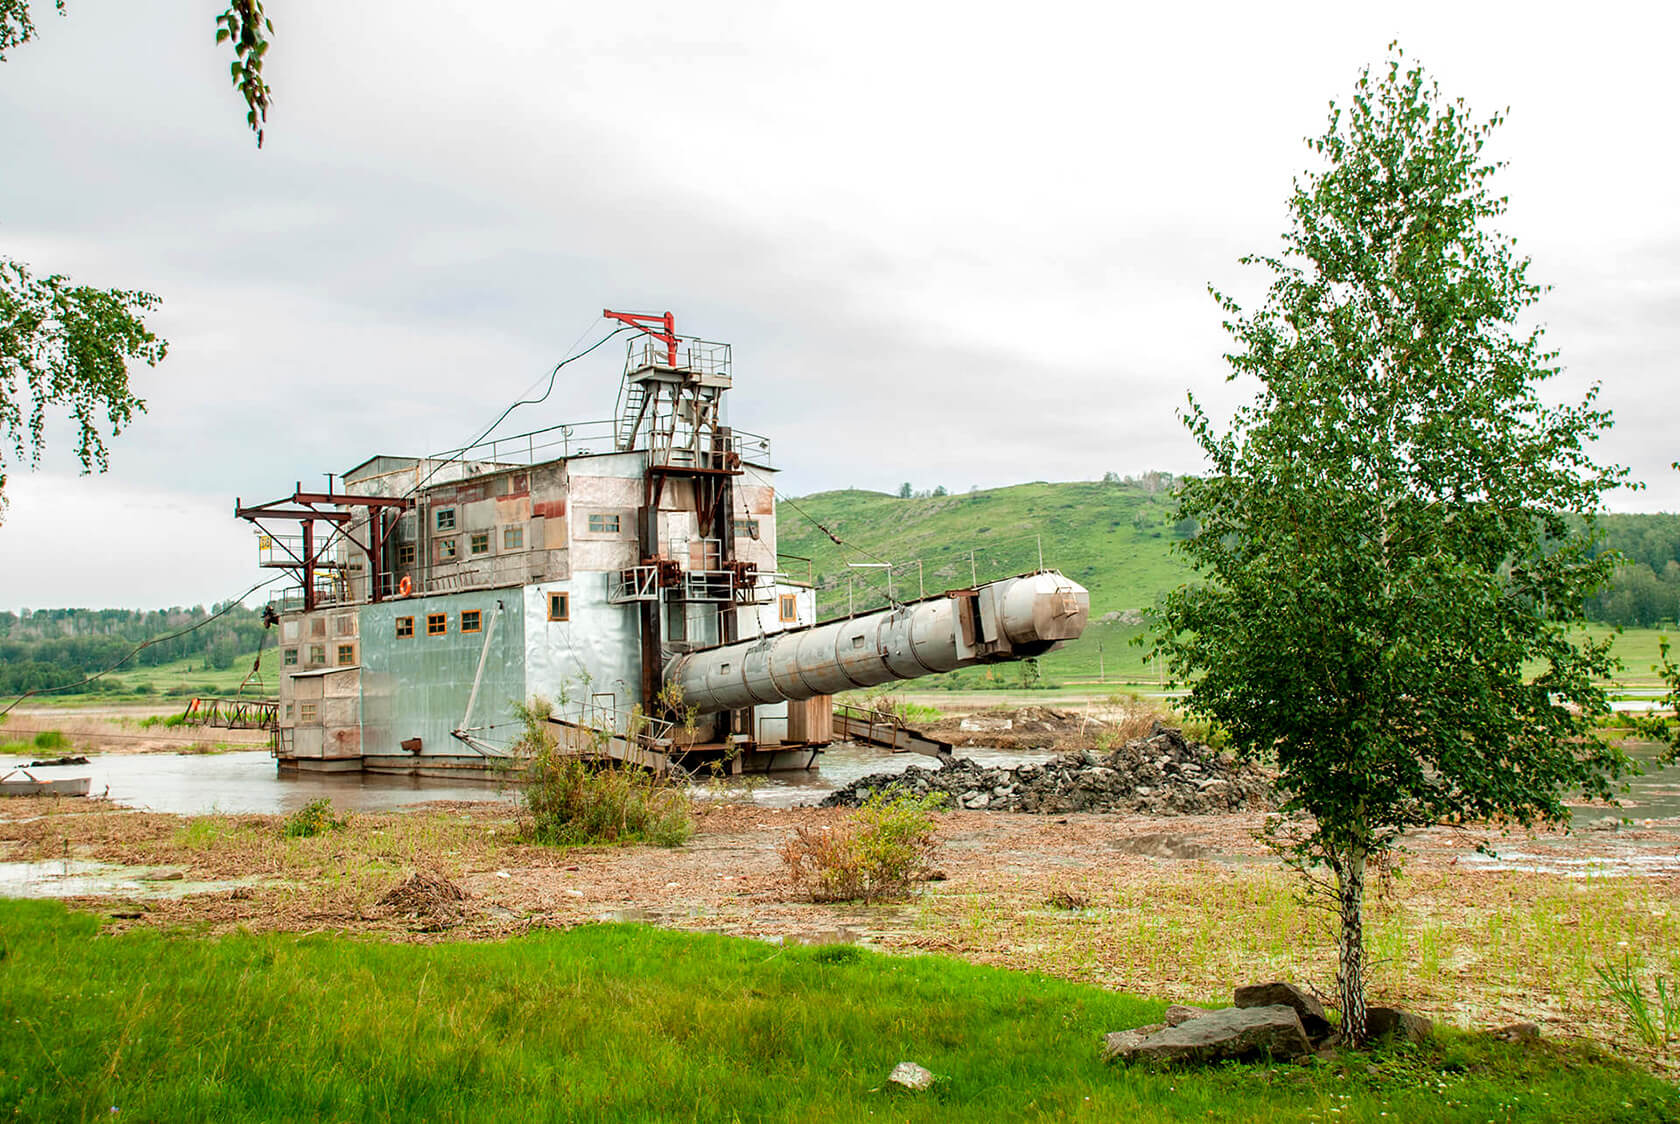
(1387, 583)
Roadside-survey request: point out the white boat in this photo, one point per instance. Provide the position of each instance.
(21, 782)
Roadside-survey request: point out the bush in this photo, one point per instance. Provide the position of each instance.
(566, 801)
(312, 819)
(51, 739)
(878, 852)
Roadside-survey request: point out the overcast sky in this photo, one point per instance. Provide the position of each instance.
(951, 244)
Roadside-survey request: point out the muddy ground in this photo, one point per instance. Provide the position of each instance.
(1184, 908)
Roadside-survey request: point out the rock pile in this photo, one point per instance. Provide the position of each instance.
(1159, 774)
(1276, 1020)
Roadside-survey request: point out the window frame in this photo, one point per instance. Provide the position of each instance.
(346, 655)
(474, 538)
(513, 538)
(318, 654)
(407, 554)
(448, 549)
(400, 633)
(563, 601)
(477, 623)
(309, 712)
(438, 519)
(787, 608)
(289, 656)
(596, 523)
(437, 624)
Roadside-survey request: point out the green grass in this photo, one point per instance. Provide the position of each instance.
(616, 1022)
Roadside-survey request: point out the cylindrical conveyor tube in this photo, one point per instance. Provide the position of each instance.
(1033, 613)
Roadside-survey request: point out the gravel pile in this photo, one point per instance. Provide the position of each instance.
(1159, 774)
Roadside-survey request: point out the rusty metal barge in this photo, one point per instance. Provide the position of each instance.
(623, 571)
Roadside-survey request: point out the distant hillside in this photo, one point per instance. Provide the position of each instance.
(1114, 538)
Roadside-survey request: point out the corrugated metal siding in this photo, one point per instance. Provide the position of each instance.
(597, 651)
(417, 687)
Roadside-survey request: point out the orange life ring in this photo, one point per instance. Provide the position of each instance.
(405, 587)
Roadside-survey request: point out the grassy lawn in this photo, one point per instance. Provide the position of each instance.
(633, 1023)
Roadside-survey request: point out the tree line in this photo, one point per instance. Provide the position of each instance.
(42, 649)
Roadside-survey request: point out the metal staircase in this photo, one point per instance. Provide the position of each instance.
(632, 396)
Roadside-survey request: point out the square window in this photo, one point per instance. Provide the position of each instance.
(437, 624)
(559, 607)
(405, 554)
(603, 524)
(317, 653)
(789, 607)
(447, 549)
(480, 543)
(346, 654)
(746, 528)
(405, 627)
(513, 538)
(306, 712)
(469, 620)
(446, 519)
(318, 626)
(346, 626)
(291, 656)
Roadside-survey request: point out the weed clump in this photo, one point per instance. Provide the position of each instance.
(877, 853)
(312, 819)
(51, 739)
(565, 800)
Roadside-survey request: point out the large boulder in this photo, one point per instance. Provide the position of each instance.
(1179, 1013)
(1228, 1034)
(1122, 1043)
(1309, 1009)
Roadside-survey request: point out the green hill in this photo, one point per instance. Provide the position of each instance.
(1114, 538)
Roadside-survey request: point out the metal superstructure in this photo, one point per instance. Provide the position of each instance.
(624, 570)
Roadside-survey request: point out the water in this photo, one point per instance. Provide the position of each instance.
(78, 878)
(193, 784)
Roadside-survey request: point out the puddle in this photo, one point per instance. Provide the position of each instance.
(1627, 865)
(77, 878)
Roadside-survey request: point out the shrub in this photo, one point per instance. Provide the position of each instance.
(51, 739)
(312, 819)
(877, 853)
(565, 800)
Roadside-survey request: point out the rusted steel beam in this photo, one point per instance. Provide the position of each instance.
(302, 514)
(343, 499)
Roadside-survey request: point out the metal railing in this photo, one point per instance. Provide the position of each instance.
(571, 439)
(703, 357)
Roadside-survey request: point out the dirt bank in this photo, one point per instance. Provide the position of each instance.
(120, 730)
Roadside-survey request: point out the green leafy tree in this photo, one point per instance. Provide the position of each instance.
(1387, 576)
(67, 347)
(904, 491)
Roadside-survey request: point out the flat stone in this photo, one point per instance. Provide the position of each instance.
(1227, 1034)
(1179, 1013)
(1123, 1043)
(1311, 1010)
(911, 1076)
(1381, 1022)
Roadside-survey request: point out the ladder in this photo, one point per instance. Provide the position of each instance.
(634, 396)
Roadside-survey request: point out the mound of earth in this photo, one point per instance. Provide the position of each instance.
(1027, 727)
(1161, 774)
(430, 897)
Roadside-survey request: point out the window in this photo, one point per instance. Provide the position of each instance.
(480, 543)
(346, 626)
(603, 524)
(291, 656)
(513, 538)
(346, 654)
(405, 627)
(447, 549)
(746, 528)
(317, 653)
(789, 607)
(469, 620)
(288, 712)
(437, 624)
(318, 626)
(306, 712)
(559, 607)
(405, 554)
(446, 519)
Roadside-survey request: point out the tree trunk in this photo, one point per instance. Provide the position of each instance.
(1350, 947)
